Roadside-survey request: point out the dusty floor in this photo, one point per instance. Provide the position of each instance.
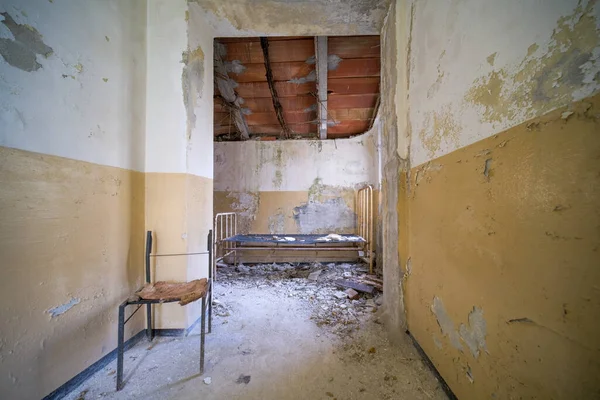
(276, 335)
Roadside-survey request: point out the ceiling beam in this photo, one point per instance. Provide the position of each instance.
(228, 95)
(285, 130)
(321, 64)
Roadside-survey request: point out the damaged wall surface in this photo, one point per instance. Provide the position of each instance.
(294, 186)
(72, 197)
(293, 18)
(178, 148)
(504, 190)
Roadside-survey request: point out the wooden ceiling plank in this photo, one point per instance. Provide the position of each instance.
(353, 85)
(357, 67)
(284, 89)
(269, 118)
(282, 72)
(342, 101)
(355, 46)
(279, 51)
(276, 129)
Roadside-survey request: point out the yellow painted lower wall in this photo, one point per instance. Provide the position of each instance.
(179, 213)
(72, 244)
(503, 291)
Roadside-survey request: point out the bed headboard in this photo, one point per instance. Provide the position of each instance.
(364, 212)
(225, 226)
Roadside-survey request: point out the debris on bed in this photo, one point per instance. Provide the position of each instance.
(335, 308)
(334, 237)
(284, 239)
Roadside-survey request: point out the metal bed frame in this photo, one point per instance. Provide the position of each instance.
(140, 302)
(226, 227)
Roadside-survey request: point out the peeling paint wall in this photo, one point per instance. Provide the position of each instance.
(72, 106)
(294, 18)
(294, 186)
(69, 78)
(525, 61)
(503, 196)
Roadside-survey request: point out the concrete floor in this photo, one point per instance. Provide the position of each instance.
(266, 335)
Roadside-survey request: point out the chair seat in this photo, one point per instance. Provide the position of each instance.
(184, 292)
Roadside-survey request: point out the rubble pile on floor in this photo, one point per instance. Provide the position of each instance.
(342, 296)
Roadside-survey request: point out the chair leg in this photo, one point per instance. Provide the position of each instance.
(120, 349)
(149, 333)
(202, 333)
(210, 308)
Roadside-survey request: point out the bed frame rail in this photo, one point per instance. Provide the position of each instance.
(364, 208)
(225, 226)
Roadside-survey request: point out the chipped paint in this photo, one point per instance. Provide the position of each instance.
(329, 216)
(474, 334)
(63, 308)
(246, 206)
(440, 129)
(445, 323)
(277, 222)
(27, 43)
(565, 72)
(514, 76)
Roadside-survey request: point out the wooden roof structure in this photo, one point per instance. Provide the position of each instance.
(295, 87)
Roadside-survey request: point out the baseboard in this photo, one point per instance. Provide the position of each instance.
(174, 332)
(432, 367)
(92, 369)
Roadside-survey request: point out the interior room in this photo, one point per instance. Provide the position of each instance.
(275, 199)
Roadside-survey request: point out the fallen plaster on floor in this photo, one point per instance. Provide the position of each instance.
(276, 335)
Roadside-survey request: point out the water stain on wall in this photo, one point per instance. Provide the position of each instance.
(192, 81)
(245, 204)
(27, 44)
(277, 222)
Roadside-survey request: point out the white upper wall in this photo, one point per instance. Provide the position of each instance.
(297, 17)
(200, 142)
(180, 89)
(482, 66)
(294, 165)
(76, 89)
(166, 118)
